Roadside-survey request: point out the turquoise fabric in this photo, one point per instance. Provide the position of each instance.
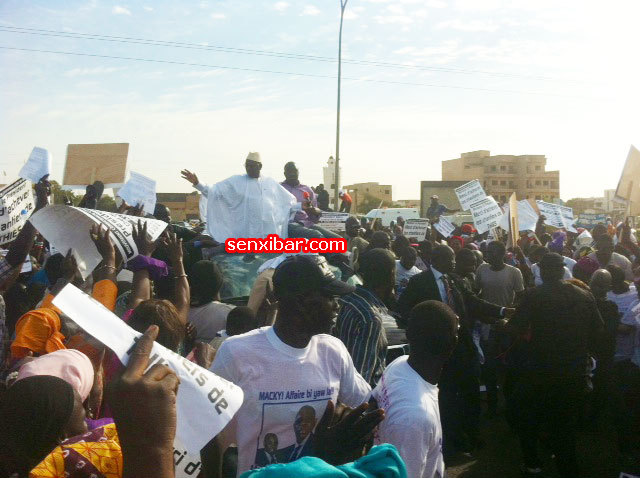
(383, 461)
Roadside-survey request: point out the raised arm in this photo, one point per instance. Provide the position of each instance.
(141, 287)
(182, 296)
(106, 270)
(193, 179)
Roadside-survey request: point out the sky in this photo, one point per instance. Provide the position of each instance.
(199, 84)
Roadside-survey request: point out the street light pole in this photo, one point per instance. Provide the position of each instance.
(343, 4)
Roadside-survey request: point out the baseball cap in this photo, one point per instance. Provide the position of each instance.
(300, 274)
(551, 260)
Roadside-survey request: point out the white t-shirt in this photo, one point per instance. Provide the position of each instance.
(403, 275)
(209, 319)
(412, 419)
(282, 386)
(535, 270)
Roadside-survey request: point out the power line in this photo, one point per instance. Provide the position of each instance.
(245, 51)
(277, 72)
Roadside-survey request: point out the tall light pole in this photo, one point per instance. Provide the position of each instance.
(336, 184)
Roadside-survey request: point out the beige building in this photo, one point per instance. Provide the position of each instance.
(329, 178)
(503, 174)
(184, 206)
(362, 192)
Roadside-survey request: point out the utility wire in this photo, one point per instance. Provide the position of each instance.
(277, 72)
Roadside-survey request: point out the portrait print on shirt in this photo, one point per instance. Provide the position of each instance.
(301, 411)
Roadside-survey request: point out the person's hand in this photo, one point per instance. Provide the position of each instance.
(43, 190)
(204, 354)
(341, 439)
(142, 401)
(174, 247)
(509, 312)
(102, 239)
(137, 210)
(190, 331)
(69, 266)
(94, 402)
(189, 176)
(141, 237)
(501, 323)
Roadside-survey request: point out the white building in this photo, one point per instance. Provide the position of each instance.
(329, 178)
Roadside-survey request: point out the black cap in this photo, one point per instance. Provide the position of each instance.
(300, 274)
(551, 260)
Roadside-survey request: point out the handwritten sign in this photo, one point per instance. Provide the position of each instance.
(54, 222)
(470, 193)
(16, 205)
(416, 228)
(334, 221)
(37, 166)
(139, 189)
(205, 402)
(486, 214)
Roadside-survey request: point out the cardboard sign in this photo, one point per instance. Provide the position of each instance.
(444, 226)
(205, 402)
(87, 163)
(16, 205)
(629, 183)
(67, 227)
(37, 166)
(416, 228)
(514, 225)
(486, 214)
(139, 190)
(470, 193)
(333, 221)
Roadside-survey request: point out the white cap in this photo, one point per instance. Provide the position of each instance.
(254, 157)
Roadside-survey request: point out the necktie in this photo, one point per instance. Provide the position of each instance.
(449, 293)
(294, 455)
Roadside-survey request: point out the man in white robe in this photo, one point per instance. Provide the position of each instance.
(246, 205)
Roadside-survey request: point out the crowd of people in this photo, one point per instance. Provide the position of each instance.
(548, 329)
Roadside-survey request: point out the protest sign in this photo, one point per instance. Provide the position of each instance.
(16, 205)
(527, 216)
(53, 223)
(205, 402)
(470, 193)
(567, 217)
(514, 225)
(139, 189)
(416, 228)
(589, 220)
(557, 216)
(486, 214)
(333, 221)
(37, 166)
(584, 239)
(629, 183)
(87, 163)
(444, 226)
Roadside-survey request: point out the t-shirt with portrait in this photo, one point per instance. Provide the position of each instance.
(285, 393)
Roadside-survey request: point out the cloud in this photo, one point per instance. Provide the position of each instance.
(281, 6)
(218, 16)
(148, 9)
(310, 10)
(468, 26)
(99, 70)
(118, 10)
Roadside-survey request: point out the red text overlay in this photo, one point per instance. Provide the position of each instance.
(274, 244)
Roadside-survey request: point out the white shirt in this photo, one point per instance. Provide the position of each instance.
(441, 287)
(617, 260)
(412, 419)
(209, 319)
(403, 275)
(277, 381)
(535, 270)
(569, 263)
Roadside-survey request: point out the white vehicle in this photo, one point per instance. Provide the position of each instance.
(386, 215)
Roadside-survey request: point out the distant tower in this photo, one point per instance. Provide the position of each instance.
(328, 177)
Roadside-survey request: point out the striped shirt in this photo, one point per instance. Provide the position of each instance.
(360, 327)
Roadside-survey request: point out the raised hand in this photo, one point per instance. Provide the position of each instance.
(102, 239)
(141, 237)
(189, 176)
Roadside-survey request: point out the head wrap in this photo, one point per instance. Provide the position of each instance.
(72, 366)
(33, 414)
(557, 242)
(39, 331)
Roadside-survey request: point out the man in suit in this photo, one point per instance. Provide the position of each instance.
(267, 455)
(303, 427)
(460, 382)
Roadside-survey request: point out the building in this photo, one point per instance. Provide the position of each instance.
(329, 178)
(369, 194)
(184, 206)
(504, 174)
(407, 203)
(443, 189)
(607, 204)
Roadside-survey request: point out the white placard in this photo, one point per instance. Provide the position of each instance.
(139, 189)
(67, 227)
(16, 205)
(37, 166)
(567, 217)
(416, 228)
(486, 214)
(333, 221)
(205, 403)
(470, 193)
(557, 216)
(527, 217)
(444, 226)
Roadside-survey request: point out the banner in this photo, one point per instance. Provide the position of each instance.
(139, 189)
(16, 205)
(486, 214)
(205, 402)
(444, 226)
(416, 228)
(470, 193)
(333, 221)
(37, 166)
(589, 220)
(67, 227)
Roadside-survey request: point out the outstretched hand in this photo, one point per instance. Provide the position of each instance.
(102, 239)
(141, 237)
(189, 176)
